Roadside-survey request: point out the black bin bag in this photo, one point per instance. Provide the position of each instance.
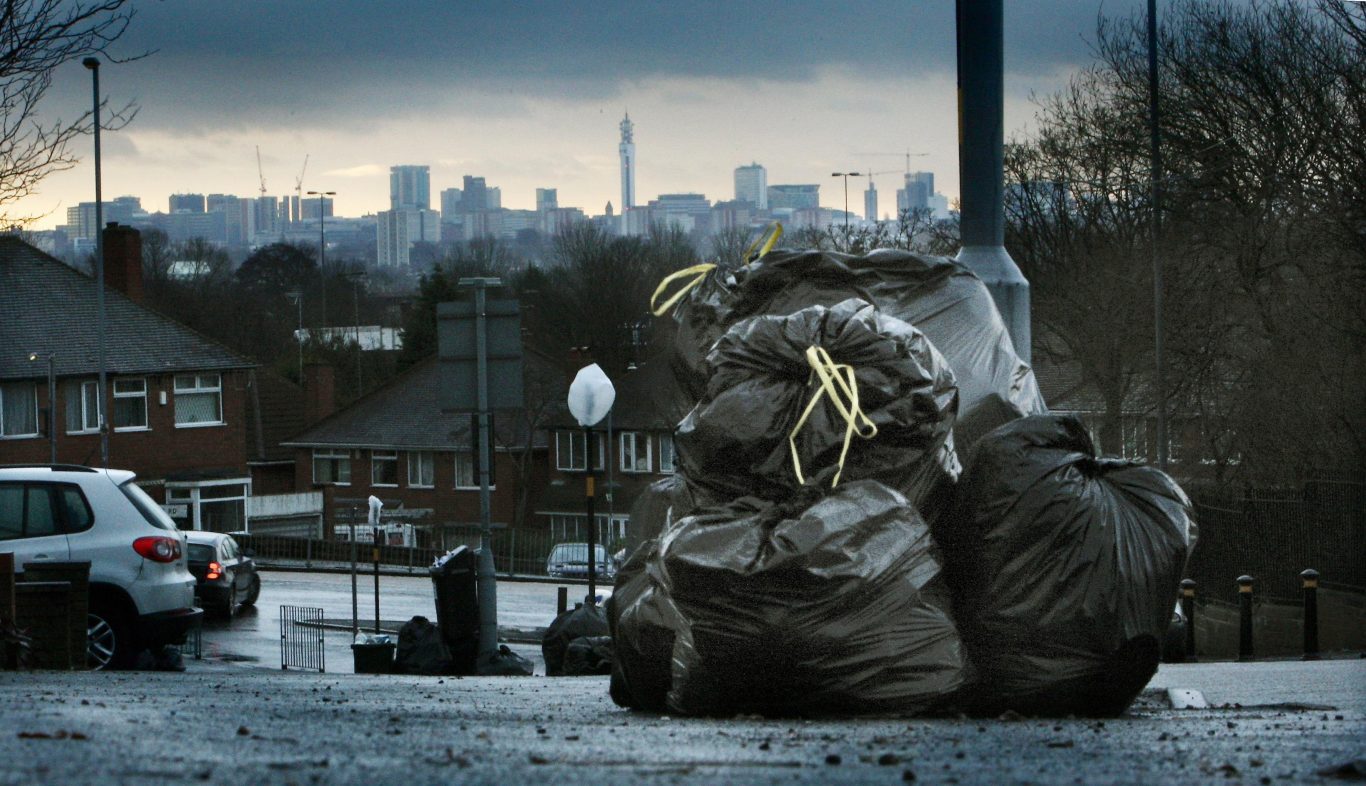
(576, 623)
(939, 296)
(642, 620)
(1065, 568)
(833, 608)
(765, 374)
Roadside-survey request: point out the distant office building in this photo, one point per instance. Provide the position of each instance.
(557, 220)
(309, 209)
(125, 207)
(627, 151)
(547, 199)
(688, 212)
(450, 203)
(751, 185)
(186, 203)
(870, 201)
(397, 230)
(264, 219)
(410, 186)
(494, 198)
(80, 218)
(919, 188)
(218, 203)
(794, 197)
(235, 220)
(476, 195)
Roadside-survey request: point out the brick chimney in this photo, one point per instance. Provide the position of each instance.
(123, 260)
(320, 392)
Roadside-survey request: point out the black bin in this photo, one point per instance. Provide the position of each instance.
(374, 657)
(457, 607)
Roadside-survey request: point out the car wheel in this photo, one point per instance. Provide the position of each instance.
(230, 605)
(109, 642)
(254, 592)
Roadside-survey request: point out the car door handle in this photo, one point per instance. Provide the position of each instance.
(41, 556)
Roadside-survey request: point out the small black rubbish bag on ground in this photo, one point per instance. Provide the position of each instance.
(587, 656)
(578, 622)
(421, 650)
(503, 662)
(779, 386)
(835, 608)
(1065, 568)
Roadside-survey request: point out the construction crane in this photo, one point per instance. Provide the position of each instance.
(908, 155)
(260, 171)
(299, 190)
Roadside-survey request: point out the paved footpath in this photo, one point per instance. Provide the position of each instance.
(220, 723)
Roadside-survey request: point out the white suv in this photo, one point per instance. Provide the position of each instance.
(141, 592)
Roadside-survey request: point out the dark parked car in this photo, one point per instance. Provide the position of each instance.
(224, 575)
(570, 561)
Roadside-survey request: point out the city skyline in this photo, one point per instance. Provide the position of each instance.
(545, 112)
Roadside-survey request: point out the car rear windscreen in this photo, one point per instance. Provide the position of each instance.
(200, 553)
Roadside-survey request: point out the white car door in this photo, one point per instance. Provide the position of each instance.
(29, 524)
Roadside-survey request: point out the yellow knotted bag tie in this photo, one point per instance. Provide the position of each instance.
(764, 243)
(698, 273)
(836, 381)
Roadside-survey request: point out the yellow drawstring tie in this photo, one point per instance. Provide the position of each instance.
(764, 243)
(836, 381)
(698, 272)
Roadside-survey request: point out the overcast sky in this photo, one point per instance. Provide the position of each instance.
(529, 95)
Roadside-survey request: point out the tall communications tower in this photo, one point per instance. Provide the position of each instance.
(627, 148)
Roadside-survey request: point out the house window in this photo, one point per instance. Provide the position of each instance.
(18, 409)
(384, 467)
(569, 452)
(82, 407)
(635, 451)
(466, 471)
(421, 469)
(1136, 438)
(130, 404)
(198, 400)
(666, 453)
(332, 466)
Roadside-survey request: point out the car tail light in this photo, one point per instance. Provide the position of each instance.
(158, 548)
(215, 570)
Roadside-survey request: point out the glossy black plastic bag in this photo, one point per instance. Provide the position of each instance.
(575, 623)
(835, 608)
(1065, 568)
(588, 656)
(421, 649)
(654, 506)
(642, 621)
(765, 373)
(940, 297)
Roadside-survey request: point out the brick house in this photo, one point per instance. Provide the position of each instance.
(175, 401)
(634, 447)
(395, 443)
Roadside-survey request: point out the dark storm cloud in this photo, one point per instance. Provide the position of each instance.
(291, 59)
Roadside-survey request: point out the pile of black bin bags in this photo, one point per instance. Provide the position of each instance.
(836, 557)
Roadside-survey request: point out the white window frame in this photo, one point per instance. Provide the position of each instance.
(666, 449)
(576, 450)
(200, 389)
(142, 394)
(467, 457)
(389, 457)
(36, 426)
(87, 396)
(628, 448)
(330, 454)
(418, 461)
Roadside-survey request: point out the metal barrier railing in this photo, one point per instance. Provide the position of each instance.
(301, 638)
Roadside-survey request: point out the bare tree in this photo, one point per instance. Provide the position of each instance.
(36, 38)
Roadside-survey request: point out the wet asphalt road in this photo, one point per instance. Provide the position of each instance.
(223, 723)
(252, 637)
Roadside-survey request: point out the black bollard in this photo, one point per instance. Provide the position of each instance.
(1245, 617)
(561, 600)
(1310, 579)
(1188, 609)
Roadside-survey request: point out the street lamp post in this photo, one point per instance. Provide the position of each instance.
(591, 396)
(356, 277)
(297, 296)
(846, 176)
(322, 224)
(51, 400)
(93, 64)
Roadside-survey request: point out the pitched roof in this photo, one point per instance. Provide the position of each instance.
(49, 307)
(405, 414)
